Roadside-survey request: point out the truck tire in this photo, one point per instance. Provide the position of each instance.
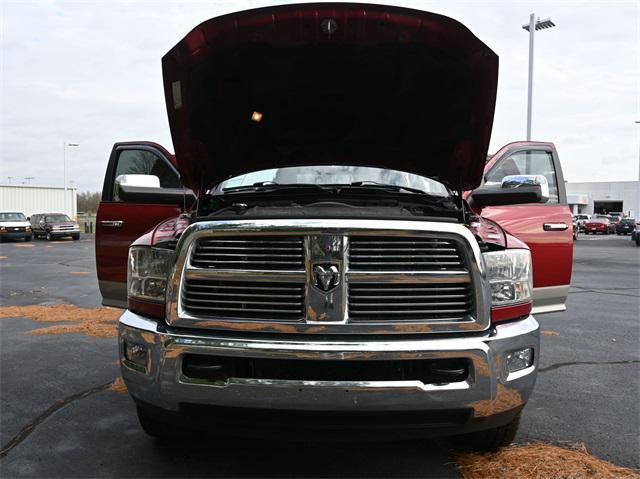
(157, 428)
(27, 238)
(489, 439)
(76, 237)
(48, 236)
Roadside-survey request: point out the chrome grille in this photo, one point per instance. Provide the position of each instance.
(242, 299)
(371, 253)
(410, 302)
(272, 253)
(391, 277)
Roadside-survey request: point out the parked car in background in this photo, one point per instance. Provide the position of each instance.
(615, 219)
(576, 229)
(581, 219)
(54, 225)
(13, 225)
(634, 233)
(599, 225)
(625, 226)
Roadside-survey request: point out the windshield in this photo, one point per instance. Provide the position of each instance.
(56, 218)
(628, 221)
(12, 217)
(335, 175)
(599, 220)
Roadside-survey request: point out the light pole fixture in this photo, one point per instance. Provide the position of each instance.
(29, 178)
(531, 27)
(64, 154)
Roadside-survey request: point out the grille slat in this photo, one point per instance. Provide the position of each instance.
(263, 253)
(246, 299)
(401, 254)
(409, 302)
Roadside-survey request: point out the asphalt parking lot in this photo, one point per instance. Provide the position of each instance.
(60, 417)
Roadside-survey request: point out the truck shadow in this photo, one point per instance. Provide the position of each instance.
(280, 458)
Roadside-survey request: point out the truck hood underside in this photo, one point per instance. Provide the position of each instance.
(331, 84)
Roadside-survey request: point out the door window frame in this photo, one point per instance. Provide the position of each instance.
(109, 177)
(562, 191)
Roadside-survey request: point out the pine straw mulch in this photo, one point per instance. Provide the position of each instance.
(548, 332)
(540, 461)
(99, 322)
(118, 385)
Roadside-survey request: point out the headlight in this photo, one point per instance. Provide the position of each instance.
(147, 272)
(510, 277)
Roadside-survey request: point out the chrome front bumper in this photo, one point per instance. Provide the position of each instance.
(489, 390)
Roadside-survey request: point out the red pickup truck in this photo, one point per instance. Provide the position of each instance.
(329, 248)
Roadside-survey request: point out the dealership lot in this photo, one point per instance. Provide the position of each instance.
(587, 388)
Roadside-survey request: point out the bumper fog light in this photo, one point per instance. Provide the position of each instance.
(136, 354)
(519, 359)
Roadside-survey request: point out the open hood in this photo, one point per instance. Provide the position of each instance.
(331, 83)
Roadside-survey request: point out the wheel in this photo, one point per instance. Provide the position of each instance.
(489, 439)
(637, 240)
(48, 236)
(76, 237)
(27, 238)
(156, 427)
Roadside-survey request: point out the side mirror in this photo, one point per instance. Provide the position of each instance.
(518, 181)
(489, 196)
(28, 218)
(147, 189)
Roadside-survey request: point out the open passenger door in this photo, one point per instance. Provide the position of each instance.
(546, 227)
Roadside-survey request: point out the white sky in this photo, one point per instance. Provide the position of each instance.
(89, 72)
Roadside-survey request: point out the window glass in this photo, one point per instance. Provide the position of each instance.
(12, 217)
(336, 175)
(526, 163)
(143, 162)
(56, 218)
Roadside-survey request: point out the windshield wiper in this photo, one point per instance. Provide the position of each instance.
(271, 186)
(375, 184)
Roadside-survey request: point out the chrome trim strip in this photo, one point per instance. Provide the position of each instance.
(382, 385)
(337, 321)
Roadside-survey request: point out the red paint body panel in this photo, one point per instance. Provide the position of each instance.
(112, 244)
(552, 251)
(505, 313)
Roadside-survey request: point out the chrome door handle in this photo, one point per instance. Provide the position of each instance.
(555, 226)
(112, 223)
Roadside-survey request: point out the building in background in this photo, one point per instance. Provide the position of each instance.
(32, 199)
(605, 196)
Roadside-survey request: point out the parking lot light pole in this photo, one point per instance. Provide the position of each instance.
(64, 154)
(638, 123)
(531, 27)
